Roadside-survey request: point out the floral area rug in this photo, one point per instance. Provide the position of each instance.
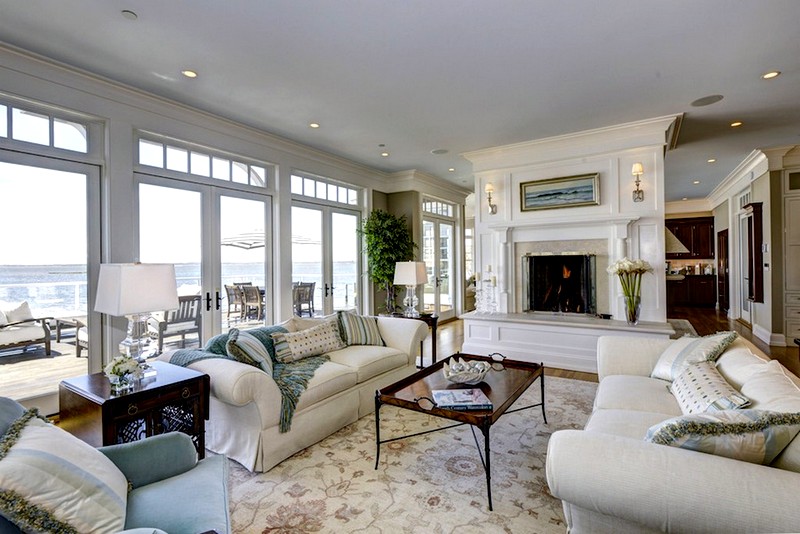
(433, 483)
(682, 327)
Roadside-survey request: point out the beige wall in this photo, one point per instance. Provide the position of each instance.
(761, 314)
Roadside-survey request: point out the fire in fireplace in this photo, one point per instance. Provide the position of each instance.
(563, 283)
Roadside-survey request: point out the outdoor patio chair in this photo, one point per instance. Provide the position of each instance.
(253, 301)
(185, 320)
(234, 294)
(303, 298)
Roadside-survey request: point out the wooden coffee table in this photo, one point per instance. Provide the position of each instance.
(504, 384)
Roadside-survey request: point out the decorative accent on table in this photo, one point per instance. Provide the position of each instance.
(630, 276)
(465, 371)
(567, 192)
(122, 372)
(485, 286)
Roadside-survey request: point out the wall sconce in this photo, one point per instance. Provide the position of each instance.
(637, 170)
(489, 189)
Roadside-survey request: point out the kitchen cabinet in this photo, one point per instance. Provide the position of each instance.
(693, 290)
(696, 234)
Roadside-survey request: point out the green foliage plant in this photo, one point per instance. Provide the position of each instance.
(387, 240)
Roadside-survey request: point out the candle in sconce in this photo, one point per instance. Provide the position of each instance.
(494, 281)
(489, 268)
(477, 277)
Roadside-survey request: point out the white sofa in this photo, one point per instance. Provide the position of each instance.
(611, 480)
(245, 401)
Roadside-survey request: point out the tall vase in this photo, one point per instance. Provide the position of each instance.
(632, 308)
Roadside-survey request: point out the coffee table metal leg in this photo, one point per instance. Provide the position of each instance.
(487, 463)
(541, 381)
(377, 429)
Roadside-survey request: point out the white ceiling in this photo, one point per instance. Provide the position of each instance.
(460, 75)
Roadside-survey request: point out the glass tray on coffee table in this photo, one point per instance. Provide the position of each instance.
(503, 384)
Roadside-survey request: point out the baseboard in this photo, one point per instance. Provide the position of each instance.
(771, 339)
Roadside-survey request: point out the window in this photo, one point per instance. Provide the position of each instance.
(41, 128)
(197, 161)
(324, 190)
(435, 207)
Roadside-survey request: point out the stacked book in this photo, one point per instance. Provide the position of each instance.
(461, 399)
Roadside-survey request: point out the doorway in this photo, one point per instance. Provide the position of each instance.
(723, 299)
(437, 253)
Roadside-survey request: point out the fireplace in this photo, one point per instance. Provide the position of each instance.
(562, 283)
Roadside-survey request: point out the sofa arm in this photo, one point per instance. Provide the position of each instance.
(403, 334)
(621, 355)
(669, 489)
(155, 458)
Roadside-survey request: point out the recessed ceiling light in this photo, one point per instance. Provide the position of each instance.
(439, 151)
(130, 15)
(685, 198)
(189, 73)
(712, 160)
(313, 125)
(695, 182)
(706, 101)
(770, 75)
(452, 169)
(736, 124)
(385, 154)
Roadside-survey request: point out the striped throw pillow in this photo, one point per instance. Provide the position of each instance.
(52, 481)
(701, 388)
(246, 348)
(359, 329)
(688, 350)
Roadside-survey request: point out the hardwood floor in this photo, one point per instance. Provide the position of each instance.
(705, 321)
(709, 320)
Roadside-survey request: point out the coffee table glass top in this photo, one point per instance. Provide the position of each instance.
(503, 384)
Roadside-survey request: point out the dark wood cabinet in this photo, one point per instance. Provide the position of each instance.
(175, 400)
(696, 234)
(694, 290)
(677, 292)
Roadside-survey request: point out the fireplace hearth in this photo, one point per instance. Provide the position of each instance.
(560, 283)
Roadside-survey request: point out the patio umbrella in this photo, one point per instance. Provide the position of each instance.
(246, 241)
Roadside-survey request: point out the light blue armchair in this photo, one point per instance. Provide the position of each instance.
(169, 489)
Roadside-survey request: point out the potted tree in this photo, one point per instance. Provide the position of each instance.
(387, 240)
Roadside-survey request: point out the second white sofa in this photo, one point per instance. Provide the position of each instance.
(246, 402)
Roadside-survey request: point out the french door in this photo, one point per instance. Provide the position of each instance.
(744, 268)
(325, 253)
(438, 251)
(215, 237)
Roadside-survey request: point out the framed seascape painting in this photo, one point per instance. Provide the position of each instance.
(567, 192)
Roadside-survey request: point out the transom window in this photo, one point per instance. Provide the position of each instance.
(324, 190)
(199, 161)
(42, 128)
(437, 207)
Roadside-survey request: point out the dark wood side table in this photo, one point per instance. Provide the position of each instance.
(432, 321)
(176, 399)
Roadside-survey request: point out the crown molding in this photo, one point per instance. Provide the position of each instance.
(753, 166)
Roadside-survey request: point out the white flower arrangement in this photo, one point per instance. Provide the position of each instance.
(122, 366)
(630, 276)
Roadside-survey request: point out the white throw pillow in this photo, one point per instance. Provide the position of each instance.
(47, 474)
(687, 350)
(754, 436)
(701, 388)
(3, 320)
(20, 313)
(319, 339)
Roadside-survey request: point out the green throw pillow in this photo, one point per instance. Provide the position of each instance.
(359, 329)
(246, 348)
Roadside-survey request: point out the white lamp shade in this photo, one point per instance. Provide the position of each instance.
(410, 273)
(637, 169)
(131, 288)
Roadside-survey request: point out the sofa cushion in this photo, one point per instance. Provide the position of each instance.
(754, 436)
(329, 379)
(636, 393)
(49, 477)
(20, 313)
(688, 350)
(21, 332)
(738, 362)
(700, 388)
(369, 361)
(246, 348)
(359, 329)
(3, 319)
(319, 339)
(624, 423)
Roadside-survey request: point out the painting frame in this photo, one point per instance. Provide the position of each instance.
(564, 192)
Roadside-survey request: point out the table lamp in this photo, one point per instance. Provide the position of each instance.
(135, 290)
(410, 274)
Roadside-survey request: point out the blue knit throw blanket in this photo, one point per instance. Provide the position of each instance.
(291, 378)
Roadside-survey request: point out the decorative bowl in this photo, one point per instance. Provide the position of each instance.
(465, 371)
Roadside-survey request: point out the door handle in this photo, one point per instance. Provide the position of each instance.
(328, 290)
(208, 301)
(219, 300)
